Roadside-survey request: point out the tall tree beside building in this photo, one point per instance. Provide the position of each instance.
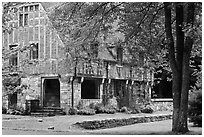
(179, 57)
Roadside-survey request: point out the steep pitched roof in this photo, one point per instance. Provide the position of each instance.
(103, 52)
(48, 6)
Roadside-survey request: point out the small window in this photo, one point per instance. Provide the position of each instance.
(34, 51)
(21, 9)
(21, 20)
(13, 61)
(31, 8)
(36, 7)
(25, 19)
(26, 9)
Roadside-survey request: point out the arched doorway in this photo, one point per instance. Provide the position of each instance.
(51, 93)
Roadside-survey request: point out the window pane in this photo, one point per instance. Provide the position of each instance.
(21, 20)
(90, 89)
(31, 8)
(25, 19)
(26, 9)
(14, 58)
(36, 7)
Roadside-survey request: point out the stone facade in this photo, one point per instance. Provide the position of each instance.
(53, 65)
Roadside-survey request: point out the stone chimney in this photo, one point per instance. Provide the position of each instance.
(141, 59)
(119, 54)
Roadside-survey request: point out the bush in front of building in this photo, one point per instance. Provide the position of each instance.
(4, 110)
(124, 109)
(147, 109)
(100, 108)
(86, 111)
(135, 111)
(195, 107)
(72, 111)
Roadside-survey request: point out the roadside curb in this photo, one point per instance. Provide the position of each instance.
(110, 123)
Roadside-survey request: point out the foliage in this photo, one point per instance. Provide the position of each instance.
(80, 105)
(124, 109)
(195, 104)
(100, 108)
(4, 110)
(86, 111)
(72, 111)
(147, 109)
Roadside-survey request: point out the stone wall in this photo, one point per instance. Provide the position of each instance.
(51, 50)
(33, 90)
(65, 95)
(162, 105)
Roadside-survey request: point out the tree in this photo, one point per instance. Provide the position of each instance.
(179, 56)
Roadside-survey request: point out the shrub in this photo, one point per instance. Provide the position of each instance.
(136, 111)
(63, 113)
(86, 111)
(4, 110)
(99, 108)
(124, 109)
(10, 111)
(80, 105)
(147, 109)
(195, 108)
(109, 110)
(72, 111)
(92, 106)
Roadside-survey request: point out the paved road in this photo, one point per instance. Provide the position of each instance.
(153, 128)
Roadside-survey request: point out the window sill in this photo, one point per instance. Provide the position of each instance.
(162, 100)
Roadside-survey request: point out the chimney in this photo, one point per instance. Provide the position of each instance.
(141, 59)
(119, 54)
(94, 48)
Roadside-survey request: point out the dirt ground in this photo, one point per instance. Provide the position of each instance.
(62, 125)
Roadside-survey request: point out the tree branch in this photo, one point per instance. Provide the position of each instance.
(169, 37)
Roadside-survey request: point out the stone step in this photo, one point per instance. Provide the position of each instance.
(48, 111)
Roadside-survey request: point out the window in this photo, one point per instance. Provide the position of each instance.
(36, 7)
(34, 51)
(26, 9)
(31, 8)
(21, 9)
(21, 20)
(162, 88)
(13, 61)
(25, 19)
(90, 89)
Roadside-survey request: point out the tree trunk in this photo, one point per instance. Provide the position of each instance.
(179, 58)
(183, 124)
